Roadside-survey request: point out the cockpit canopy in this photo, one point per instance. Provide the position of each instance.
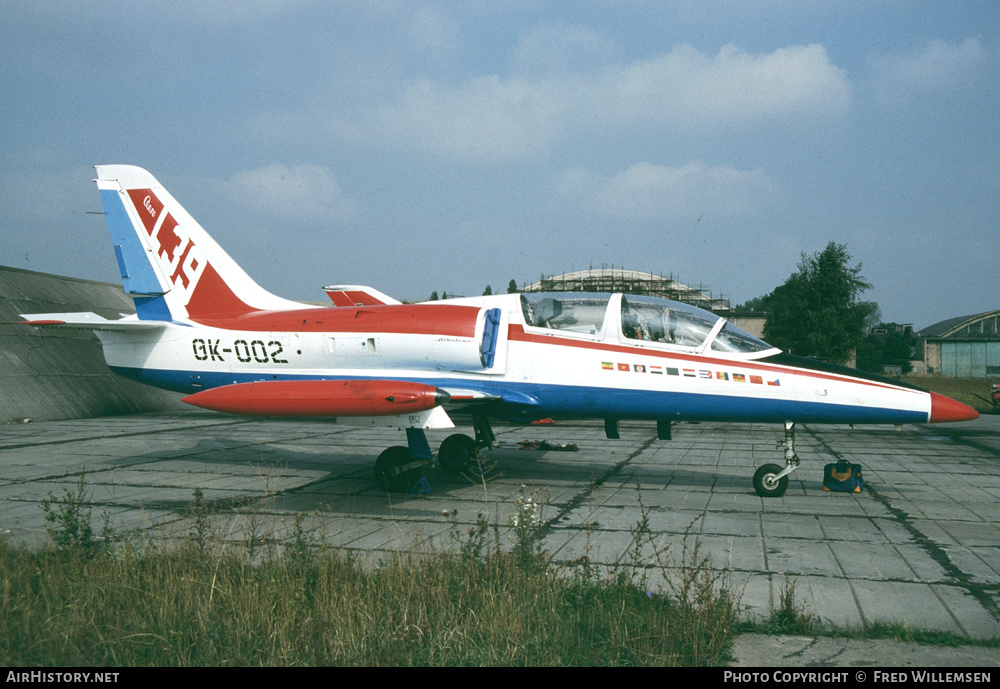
(576, 312)
(641, 318)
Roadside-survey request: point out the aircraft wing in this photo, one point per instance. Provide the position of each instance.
(466, 395)
(472, 396)
(88, 321)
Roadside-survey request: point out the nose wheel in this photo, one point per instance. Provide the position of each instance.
(768, 481)
(771, 480)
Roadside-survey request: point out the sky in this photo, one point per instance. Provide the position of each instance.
(420, 146)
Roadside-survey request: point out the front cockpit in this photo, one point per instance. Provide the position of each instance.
(640, 320)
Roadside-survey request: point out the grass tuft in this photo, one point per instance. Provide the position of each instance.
(489, 599)
(791, 616)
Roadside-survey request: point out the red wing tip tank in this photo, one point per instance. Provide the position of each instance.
(320, 398)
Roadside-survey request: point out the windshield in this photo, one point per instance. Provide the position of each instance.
(577, 312)
(734, 339)
(652, 319)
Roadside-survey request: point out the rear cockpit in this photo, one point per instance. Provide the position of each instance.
(635, 319)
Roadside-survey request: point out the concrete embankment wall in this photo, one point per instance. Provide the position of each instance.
(56, 373)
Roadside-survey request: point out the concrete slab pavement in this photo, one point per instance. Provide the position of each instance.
(921, 546)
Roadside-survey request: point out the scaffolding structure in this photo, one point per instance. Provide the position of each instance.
(630, 282)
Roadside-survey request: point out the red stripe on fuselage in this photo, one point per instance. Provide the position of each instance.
(419, 319)
(517, 333)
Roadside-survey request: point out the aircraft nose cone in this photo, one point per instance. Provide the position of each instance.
(945, 409)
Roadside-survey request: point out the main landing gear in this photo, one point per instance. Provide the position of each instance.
(399, 468)
(460, 453)
(771, 480)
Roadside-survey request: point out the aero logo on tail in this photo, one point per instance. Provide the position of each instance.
(180, 260)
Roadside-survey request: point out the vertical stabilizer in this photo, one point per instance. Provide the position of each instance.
(171, 267)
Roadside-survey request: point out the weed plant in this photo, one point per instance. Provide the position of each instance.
(490, 599)
(790, 616)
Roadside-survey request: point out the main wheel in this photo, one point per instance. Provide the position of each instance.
(393, 471)
(458, 453)
(766, 481)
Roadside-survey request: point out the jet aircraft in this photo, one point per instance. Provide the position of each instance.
(203, 327)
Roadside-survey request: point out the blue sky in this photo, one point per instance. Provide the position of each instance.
(420, 146)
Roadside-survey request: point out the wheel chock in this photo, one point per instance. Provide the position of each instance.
(421, 487)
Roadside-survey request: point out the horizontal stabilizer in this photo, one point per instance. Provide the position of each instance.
(88, 321)
(357, 295)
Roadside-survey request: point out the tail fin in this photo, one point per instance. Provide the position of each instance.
(173, 269)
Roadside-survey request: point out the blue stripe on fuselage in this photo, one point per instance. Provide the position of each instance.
(581, 401)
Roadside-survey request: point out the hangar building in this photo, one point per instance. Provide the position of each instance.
(963, 347)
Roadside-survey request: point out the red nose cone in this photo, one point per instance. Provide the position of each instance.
(945, 409)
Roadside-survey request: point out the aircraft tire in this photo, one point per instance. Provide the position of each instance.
(766, 485)
(391, 470)
(457, 453)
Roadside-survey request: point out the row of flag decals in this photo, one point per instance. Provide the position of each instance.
(689, 373)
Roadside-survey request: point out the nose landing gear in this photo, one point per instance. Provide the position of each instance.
(771, 480)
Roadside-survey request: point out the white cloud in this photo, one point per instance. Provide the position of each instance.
(733, 87)
(938, 67)
(682, 91)
(651, 192)
(558, 48)
(306, 193)
(486, 117)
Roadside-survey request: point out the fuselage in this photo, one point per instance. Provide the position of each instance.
(574, 354)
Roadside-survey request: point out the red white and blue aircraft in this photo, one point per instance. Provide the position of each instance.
(203, 327)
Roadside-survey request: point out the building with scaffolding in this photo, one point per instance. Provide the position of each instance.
(630, 282)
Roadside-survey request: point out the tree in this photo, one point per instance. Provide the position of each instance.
(488, 291)
(888, 345)
(817, 311)
(755, 304)
(512, 286)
